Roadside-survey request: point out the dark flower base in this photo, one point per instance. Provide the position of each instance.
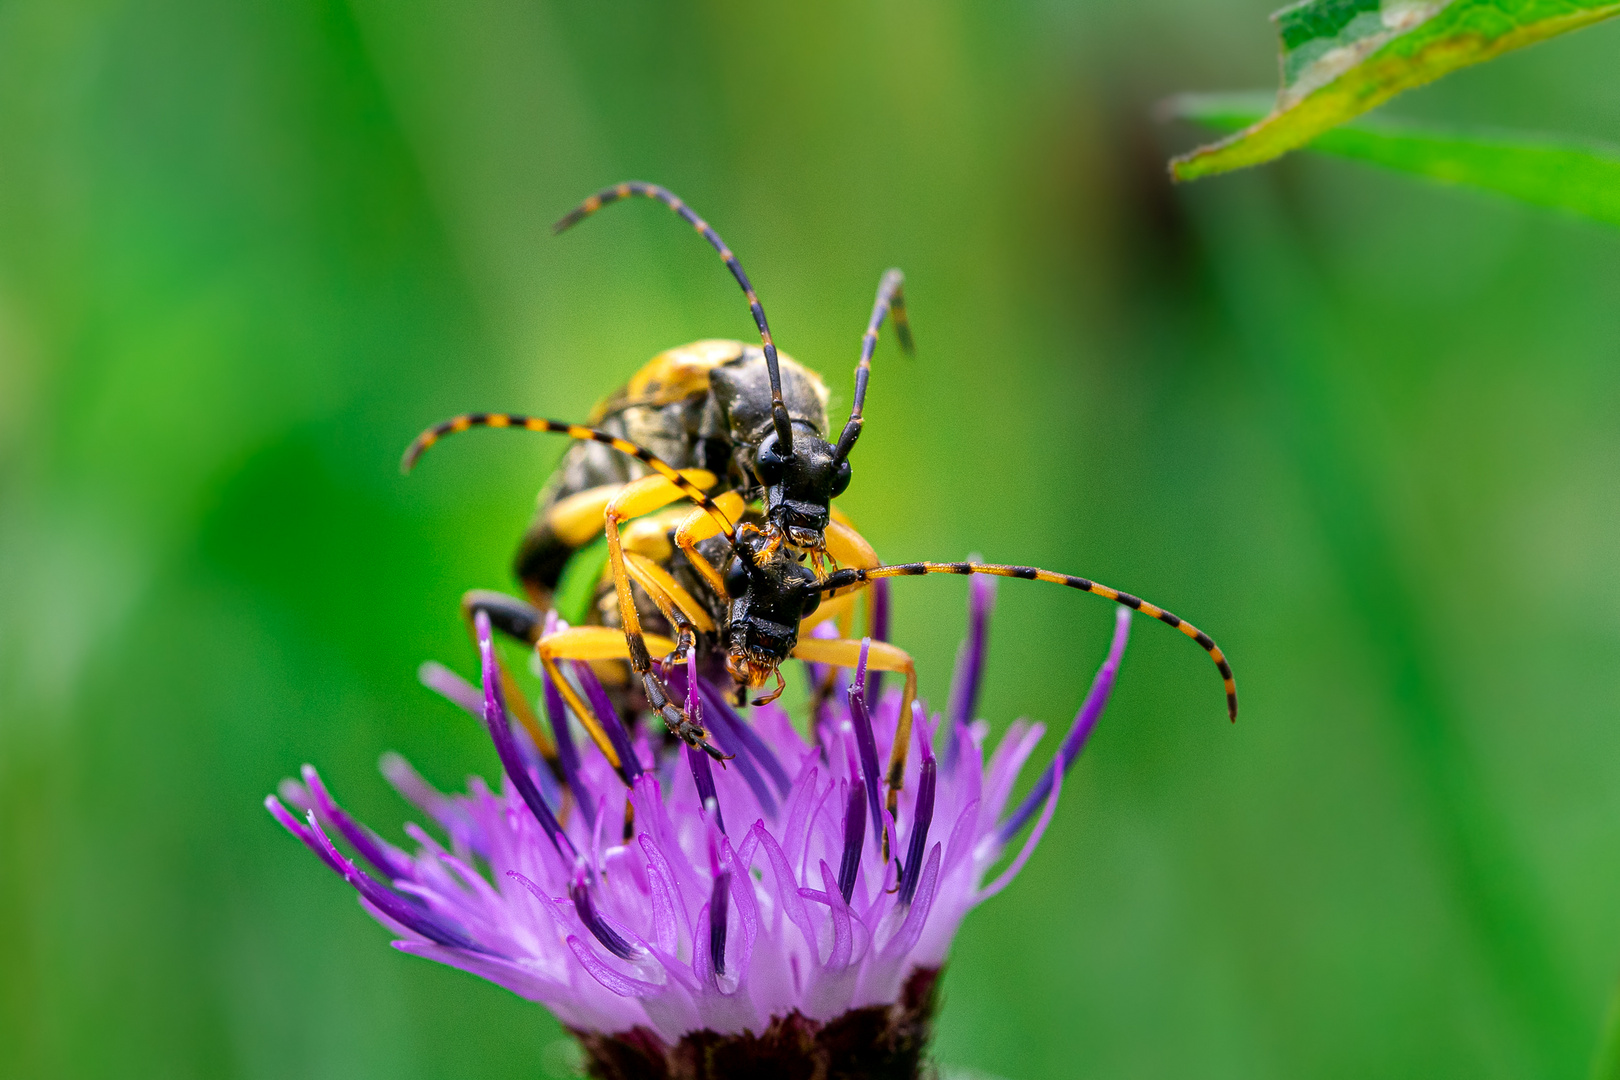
(880, 1042)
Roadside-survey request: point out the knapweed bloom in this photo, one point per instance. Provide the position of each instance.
(684, 919)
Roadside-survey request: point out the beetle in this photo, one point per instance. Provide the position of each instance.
(706, 404)
(743, 422)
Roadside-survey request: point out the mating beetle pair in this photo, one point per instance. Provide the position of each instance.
(709, 480)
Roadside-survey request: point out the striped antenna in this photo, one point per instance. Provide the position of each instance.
(891, 298)
(779, 413)
(839, 579)
(420, 444)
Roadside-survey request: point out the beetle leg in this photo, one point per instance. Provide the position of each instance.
(587, 643)
(675, 603)
(850, 549)
(841, 609)
(642, 497)
(699, 525)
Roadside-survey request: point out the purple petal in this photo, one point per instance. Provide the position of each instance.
(395, 907)
(579, 892)
(787, 888)
(622, 985)
(719, 907)
(1034, 837)
(728, 739)
(506, 746)
(795, 835)
(371, 847)
(861, 720)
(567, 752)
(843, 935)
(750, 739)
(289, 821)
(742, 893)
(451, 815)
(922, 816)
(597, 697)
(703, 777)
(878, 597)
(1005, 765)
(452, 687)
(522, 981)
(659, 868)
(854, 839)
(910, 930)
(969, 671)
(661, 892)
(1084, 721)
(962, 833)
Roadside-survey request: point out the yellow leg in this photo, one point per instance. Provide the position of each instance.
(848, 546)
(676, 604)
(578, 518)
(682, 612)
(607, 508)
(587, 643)
(700, 525)
(644, 496)
(843, 652)
(650, 535)
(841, 610)
(640, 497)
(673, 600)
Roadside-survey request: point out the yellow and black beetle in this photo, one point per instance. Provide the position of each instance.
(729, 422)
(740, 421)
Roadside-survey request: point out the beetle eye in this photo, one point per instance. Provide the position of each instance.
(811, 602)
(736, 579)
(840, 479)
(768, 463)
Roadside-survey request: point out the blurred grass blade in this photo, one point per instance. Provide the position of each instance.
(1579, 177)
(1343, 57)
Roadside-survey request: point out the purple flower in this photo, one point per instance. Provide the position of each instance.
(665, 902)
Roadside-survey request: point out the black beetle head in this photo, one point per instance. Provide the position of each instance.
(799, 486)
(769, 595)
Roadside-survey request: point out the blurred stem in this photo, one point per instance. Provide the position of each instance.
(1286, 330)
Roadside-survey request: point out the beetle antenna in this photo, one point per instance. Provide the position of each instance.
(891, 298)
(839, 579)
(420, 444)
(779, 413)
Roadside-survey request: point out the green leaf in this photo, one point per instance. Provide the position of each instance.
(1343, 57)
(1579, 177)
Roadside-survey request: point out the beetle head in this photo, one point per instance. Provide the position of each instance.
(799, 486)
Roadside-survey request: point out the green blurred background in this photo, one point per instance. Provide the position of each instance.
(1362, 430)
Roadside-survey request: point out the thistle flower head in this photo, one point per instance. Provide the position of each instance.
(667, 907)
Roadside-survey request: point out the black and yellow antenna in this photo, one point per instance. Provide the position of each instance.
(420, 444)
(891, 297)
(779, 413)
(839, 579)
